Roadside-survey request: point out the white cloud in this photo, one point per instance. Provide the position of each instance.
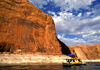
(76, 41)
(39, 3)
(53, 13)
(96, 18)
(88, 13)
(93, 39)
(65, 4)
(79, 15)
(69, 41)
(87, 28)
(72, 4)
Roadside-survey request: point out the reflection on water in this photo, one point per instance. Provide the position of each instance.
(88, 66)
(31, 67)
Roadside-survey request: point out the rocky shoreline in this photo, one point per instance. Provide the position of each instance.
(26, 58)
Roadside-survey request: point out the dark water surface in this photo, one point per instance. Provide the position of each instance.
(88, 66)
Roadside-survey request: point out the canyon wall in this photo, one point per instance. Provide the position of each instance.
(25, 28)
(86, 51)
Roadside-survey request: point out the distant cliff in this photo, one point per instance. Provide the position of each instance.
(86, 51)
(25, 28)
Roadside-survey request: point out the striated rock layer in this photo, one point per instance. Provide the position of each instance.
(86, 51)
(25, 28)
(31, 59)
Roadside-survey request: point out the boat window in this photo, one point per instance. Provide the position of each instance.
(68, 60)
(73, 60)
(79, 60)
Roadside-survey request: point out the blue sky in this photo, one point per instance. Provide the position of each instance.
(76, 21)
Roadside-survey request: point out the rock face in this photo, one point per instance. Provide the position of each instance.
(25, 28)
(86, 51)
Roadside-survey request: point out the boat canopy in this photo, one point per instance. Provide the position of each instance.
(71, 54)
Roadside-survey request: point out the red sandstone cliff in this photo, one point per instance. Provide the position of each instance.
(86, 51)
(25, 28)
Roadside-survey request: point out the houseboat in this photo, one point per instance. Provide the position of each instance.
(72, 60)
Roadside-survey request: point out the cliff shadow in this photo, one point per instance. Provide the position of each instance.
(64, 49)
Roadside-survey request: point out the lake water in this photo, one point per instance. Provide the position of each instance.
(88, 66)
